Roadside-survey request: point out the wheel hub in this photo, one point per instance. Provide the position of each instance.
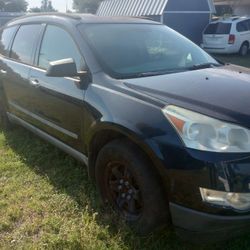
(124, 191)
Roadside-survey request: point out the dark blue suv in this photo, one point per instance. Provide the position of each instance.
(163, 127)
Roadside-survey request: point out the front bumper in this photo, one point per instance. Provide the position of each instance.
(199, 227)
(185, 171)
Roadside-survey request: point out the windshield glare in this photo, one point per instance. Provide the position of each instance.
(129, 50)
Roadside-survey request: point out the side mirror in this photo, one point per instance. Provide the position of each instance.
(64, 68)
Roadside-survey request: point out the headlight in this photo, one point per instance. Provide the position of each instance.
(238, 201)
(208, 134)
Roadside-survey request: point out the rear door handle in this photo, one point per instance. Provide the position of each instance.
(3, 71)
(34, 82)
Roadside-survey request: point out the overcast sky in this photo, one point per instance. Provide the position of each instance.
(60, 5)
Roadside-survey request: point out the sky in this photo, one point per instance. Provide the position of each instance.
(59, 5)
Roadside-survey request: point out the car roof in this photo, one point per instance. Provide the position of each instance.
(77, 18)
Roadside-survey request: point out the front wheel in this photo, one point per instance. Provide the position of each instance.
(126, 180)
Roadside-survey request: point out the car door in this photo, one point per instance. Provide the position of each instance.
(15, 68)
(244, 31)
(59, 107)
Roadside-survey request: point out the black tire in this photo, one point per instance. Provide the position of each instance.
(244, 49)
(120, 168)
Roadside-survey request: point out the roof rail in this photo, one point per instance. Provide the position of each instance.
(59, 14)
(143, 17)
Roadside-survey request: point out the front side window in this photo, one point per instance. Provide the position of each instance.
(133, 50)
(25, 42)
(57, 44)
(5, 40)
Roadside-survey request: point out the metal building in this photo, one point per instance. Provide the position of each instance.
(189, 17)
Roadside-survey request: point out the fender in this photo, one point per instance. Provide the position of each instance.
(146, 145)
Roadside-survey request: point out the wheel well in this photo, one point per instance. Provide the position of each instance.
(101, 139)
(246, 42)
(104, 137)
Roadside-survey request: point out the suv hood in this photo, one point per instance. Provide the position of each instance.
(222, 93)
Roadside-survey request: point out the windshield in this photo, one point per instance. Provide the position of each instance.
(218, 29)
(137, 50)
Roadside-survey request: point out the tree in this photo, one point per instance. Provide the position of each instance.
(89, 6)
(35, 10)
(46, 6)
(13, 5)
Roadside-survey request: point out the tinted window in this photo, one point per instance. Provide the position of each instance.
(218, 28)
(133, 50)
(25, 42)
(5, 39)
(242, 26)
(57, 44)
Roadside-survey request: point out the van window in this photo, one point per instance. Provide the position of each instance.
(57, 44)
(242, 26)
(5, 39)
(24, 43)
(218, 29)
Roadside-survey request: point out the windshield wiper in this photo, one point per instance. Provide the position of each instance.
(204, 66)
(156, 73)
(153, 73)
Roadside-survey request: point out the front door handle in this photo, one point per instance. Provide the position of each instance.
(34, 82)
(4, 72)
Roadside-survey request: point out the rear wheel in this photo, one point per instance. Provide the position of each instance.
(244, 49)
(126, 181)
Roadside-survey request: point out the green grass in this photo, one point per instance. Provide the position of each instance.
(235, 59)
(48, 202)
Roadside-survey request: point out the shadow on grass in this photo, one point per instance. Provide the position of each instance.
(70, 177)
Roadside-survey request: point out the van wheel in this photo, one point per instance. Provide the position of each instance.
(244, 49)
(126, 180)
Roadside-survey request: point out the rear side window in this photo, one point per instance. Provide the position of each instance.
(5, 39)
(242, 26)
(57, 44)
(24, 43)
(218, 29)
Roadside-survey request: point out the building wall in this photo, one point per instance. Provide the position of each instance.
(190, 25)
(187, 5)
(188, 17)
(242, 10)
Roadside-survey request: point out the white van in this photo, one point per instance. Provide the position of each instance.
(226, 36)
